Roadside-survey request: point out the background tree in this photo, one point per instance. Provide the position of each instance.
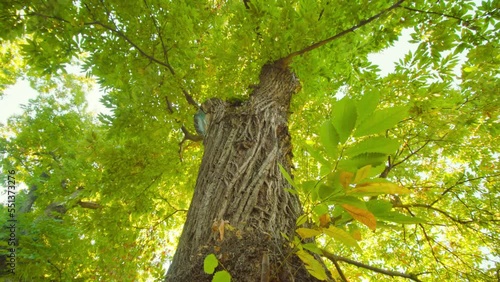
(107, 195)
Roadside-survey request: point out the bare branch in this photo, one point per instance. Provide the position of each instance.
(391, 273)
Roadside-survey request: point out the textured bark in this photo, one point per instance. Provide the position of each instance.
(240, 207)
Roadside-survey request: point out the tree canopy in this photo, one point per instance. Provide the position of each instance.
(108, 194)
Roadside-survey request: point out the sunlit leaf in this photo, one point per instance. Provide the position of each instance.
(362, 173)
(305, 233)
(380, 145)
(399, 218)
(221, 276)
(377, 188)
(381, 120)
(314, 267)
(287, 176)
(312, 247)
(342, 236)
(301, 220)
(329, 138)
(367, 105)
(344, 118)
(210, 263)
(362, 215)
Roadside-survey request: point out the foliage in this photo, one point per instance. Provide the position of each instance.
(430, 126)
(210, 264)
(344, 195)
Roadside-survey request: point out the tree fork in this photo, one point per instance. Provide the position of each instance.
(240, 206)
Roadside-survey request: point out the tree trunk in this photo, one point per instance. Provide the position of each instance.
(240, 208)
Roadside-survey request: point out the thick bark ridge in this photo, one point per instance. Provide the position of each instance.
(240, 207)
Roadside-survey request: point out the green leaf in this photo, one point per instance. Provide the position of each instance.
(314, 267)
(325, 191)
(320, 209)
(210, 263)
(361, 160)
(329, 138)
(381, 120)
(301, 220)
(308, 186)
(367, 105)
(222, 276)
(344, 118)
(399, 218)
(350, 200)
(312, 247)
(378, 206)
(287, 176)
(317, 155)
(377, 144)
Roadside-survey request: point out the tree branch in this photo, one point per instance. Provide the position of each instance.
(165, 64)
(411, 153)
(434, 13)
(391, 273)
(435, 209)
(288, 59)
(158, 30)
(463, 22)
(89, 205)
(339, 270)
(462, 182)
(123, 36)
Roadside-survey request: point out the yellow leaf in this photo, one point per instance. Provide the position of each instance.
(362, 173)
(313, 266)
(361, 215)
(346, 178)
(305, 233)
(377, 188)
(342, 236)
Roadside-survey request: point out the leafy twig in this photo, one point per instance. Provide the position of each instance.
(288, 59)
(435, 209)
(434, 13)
